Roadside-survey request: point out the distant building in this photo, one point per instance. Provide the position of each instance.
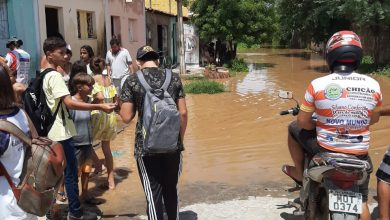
(161, 26)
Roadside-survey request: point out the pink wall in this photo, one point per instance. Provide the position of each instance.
(126, 13)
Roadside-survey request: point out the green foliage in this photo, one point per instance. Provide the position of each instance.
(368, 60)
(385, 71)
(317, 20)
(367, 65)
(237, 65)
(245, 21)
(204, 86)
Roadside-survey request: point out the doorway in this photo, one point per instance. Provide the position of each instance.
(52, 25)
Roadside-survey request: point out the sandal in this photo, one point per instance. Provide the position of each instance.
(61, 197)
(286, 169)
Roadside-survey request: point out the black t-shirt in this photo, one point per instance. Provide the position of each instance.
(132, 91)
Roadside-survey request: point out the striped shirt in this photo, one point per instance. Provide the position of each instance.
(383, 172)
(344, 104)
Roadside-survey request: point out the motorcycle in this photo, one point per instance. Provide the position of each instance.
(330, 182)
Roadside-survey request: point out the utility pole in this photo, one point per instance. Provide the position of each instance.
(181, 35)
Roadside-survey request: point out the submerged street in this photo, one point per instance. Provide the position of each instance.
(236, 143)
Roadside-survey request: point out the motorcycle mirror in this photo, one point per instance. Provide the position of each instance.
(285, 94)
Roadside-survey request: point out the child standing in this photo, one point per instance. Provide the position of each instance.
(63, 128)
(104, 124)
(81, 87)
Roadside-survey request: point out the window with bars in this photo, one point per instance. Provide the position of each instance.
(86, 24)
(131, 30)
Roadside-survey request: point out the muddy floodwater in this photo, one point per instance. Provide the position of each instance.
(237, 138)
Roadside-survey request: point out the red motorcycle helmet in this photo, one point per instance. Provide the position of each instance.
(344, 48)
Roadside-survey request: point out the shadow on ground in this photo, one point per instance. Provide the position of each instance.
(188, 215)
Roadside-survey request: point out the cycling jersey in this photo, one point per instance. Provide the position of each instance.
(344, 104)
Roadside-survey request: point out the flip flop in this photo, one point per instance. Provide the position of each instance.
(286, 170)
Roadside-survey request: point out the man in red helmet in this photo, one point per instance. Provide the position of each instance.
(346, 104)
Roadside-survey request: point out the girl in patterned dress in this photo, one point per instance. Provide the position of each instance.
(103, 124)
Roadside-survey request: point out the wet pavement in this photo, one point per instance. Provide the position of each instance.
(235, 142)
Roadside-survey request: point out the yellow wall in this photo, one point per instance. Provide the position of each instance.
(167, 6)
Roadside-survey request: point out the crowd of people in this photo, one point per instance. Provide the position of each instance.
(90, 93)
(86, 94)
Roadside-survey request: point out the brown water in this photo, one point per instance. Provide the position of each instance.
(238, 137)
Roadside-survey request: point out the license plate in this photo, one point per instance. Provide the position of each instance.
(345, 201)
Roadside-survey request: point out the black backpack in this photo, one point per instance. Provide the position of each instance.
(35, 105)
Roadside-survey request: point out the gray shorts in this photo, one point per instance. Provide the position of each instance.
(84, 154)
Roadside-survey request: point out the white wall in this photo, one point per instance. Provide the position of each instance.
(67, 14)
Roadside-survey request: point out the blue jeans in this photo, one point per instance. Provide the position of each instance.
(71, 177)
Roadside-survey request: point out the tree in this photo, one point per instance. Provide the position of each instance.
(235, 21)
(317, 20)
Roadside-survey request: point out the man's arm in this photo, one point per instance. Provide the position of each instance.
(375, 117)
(108, 64)
(385, 111)
(108, 70)
(181, 105)
(131, 67)
(71, 104)
(127, 111)
(305, 120)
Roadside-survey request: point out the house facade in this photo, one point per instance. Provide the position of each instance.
(161, 26)
(79, 22)
(126, 20)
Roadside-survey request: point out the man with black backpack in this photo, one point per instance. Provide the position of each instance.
(49, 96)
(159, 98)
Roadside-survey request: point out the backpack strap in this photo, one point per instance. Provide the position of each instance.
(42, 93)
(14, 130)
(3, 172)
(168, 77)
(142, 80)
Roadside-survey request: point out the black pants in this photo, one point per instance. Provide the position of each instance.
(159, 176)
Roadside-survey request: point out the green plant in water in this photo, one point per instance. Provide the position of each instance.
(237, 65)
(204, 86)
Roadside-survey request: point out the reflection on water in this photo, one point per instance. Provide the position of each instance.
(256, 81)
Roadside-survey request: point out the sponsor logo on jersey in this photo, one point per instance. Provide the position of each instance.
(333, 91)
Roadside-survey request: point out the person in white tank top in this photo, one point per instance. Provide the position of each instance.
(12, 150)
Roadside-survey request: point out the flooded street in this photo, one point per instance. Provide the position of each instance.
(236, 141)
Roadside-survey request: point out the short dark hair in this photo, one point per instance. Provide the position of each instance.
(115, 41)
(80, 79)
(95, 65)
(6, 92)
(89, 50)
(77, 67)
(53, 43)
